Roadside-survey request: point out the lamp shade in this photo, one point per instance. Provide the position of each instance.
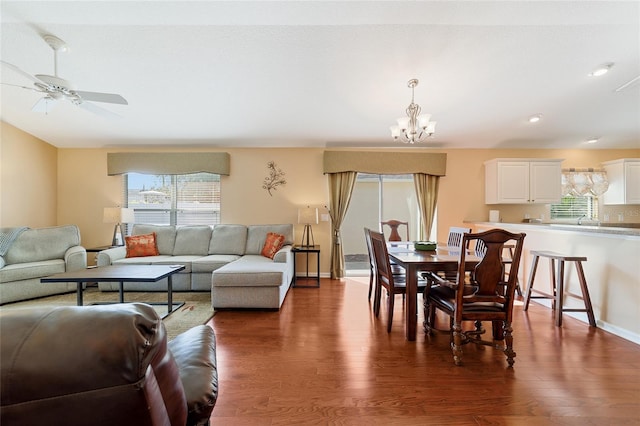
(308, 215)
(118, 215)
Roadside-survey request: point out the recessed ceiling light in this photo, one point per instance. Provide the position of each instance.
(594, 140)
(535, 118)
(601, 69)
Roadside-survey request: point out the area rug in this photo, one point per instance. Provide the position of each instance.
(196, 309)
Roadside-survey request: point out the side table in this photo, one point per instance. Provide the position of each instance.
(306, 250)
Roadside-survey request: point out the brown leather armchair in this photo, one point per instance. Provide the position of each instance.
(103, 365)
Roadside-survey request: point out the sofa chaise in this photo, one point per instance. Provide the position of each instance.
(30, 254)
(225, 259)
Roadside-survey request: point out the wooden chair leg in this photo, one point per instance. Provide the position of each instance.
(377, 298)
(456, 345)
(498, 330)
(390, 305)
(508, 341)
(429, 317)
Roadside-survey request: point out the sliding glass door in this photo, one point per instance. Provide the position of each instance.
(377, 198)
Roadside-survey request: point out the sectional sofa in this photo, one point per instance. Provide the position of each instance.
(30, 254)
(225, 259)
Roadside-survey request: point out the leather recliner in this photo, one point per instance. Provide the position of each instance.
(103, 365)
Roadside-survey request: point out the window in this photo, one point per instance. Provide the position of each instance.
(575, 207)
(192, 199)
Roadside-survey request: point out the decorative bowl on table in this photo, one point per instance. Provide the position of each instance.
(425, 245)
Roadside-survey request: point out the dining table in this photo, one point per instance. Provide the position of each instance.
(443, 258)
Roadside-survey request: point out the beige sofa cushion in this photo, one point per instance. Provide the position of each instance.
(165, 235)
(192, 240)
(228, 239)
(257, 234)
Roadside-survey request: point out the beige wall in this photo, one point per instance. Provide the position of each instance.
(83, 188)
(28, 178)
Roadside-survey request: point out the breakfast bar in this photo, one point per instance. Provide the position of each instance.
(612, 269)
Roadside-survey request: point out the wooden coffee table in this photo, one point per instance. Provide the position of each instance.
(120, 274)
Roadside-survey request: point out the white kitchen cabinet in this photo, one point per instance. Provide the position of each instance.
(523, 181)
(624, 181)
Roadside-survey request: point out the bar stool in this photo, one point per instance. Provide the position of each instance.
(558, 287)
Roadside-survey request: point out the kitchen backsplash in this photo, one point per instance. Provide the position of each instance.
(514, 213)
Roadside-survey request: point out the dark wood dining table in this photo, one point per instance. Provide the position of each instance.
(414, 261)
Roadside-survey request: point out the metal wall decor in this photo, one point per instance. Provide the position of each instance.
(275, 178)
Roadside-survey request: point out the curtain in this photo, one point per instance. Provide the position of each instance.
(427, 194)
(340, 189)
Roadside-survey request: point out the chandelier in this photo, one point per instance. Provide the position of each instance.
(414, 127)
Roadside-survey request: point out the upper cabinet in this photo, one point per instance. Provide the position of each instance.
(624, 181)
(523, 181)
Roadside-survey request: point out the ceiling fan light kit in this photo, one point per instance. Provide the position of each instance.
(56, 88)
(56, 44)
(415, 127)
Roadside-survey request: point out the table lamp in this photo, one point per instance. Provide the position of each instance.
(118, 215)
(307, 215)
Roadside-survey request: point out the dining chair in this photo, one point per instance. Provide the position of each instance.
(394, 225)
(393, 284)
(480, 249)
(395, 269)
(486, 297)
(454, 240)
(455, 236)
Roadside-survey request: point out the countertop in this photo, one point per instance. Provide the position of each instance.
(626, 229)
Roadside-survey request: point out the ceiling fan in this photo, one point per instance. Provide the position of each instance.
(56, 88)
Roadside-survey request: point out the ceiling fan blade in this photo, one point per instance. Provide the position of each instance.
(19, 71)
(109, 98)
(44, 104)
(22, 87)
(98, 110)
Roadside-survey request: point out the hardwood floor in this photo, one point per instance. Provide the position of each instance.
(324, 359)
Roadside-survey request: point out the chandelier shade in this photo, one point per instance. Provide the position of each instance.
(415, 127)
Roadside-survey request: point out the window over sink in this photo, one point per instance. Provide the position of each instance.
(575, 207)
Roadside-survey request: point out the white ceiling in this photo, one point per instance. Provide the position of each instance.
(329, 73)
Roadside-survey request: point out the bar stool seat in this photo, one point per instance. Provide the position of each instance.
(557, 281)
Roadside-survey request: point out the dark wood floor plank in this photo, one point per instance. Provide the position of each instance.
(326, 359)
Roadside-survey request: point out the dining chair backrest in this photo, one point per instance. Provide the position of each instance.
(487, 278)
(382, 263)
(480, 248)
(394, 225)
(455, 236)
(372, 260)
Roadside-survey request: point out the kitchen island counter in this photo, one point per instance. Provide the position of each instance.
(612, 268)
(623, 229)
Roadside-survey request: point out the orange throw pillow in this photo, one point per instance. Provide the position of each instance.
(272, 244)
(142, 245)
